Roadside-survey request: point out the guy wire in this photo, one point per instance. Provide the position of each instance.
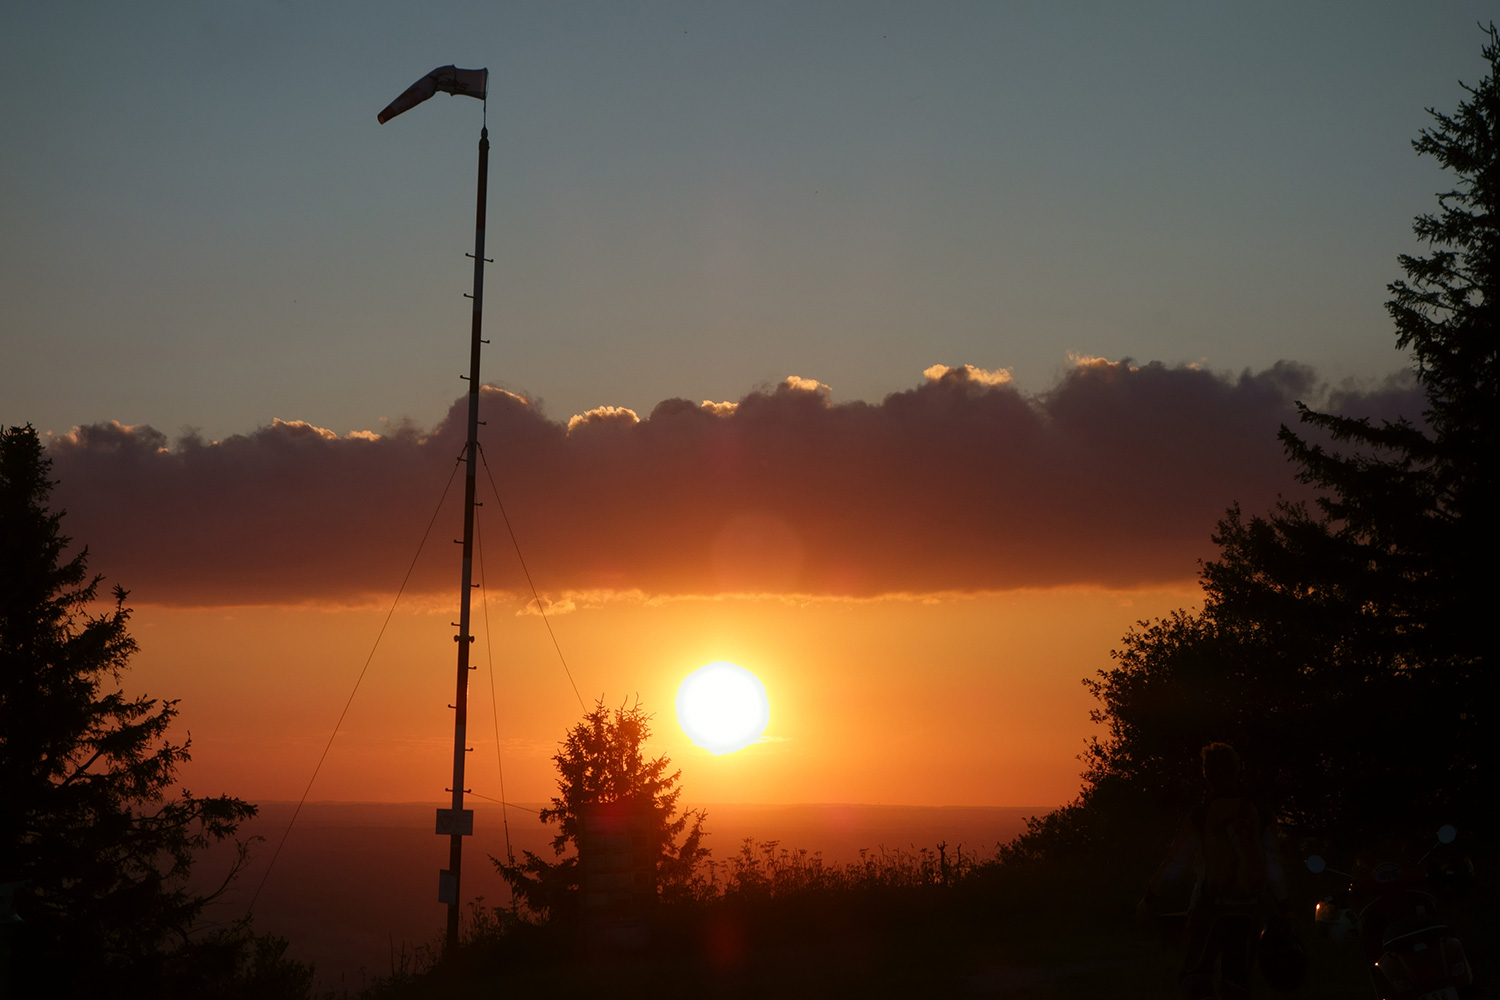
(326, 747)
(540, 609)
(489, 655)
(512, 805)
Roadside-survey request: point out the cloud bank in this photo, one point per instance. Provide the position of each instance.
(1115, 478)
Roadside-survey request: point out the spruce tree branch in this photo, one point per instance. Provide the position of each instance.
(80, 770)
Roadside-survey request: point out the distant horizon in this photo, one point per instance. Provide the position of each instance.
(485, 804)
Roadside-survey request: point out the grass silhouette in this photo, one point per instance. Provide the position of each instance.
(780, 922)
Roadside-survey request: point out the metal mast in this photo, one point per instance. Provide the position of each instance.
(457, 822)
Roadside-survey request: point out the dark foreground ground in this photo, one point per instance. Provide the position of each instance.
(355, 886)
(351, 875)
(862, 946)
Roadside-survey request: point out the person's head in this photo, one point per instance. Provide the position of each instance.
(1221, 768)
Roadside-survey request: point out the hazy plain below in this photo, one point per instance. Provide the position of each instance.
(355, 885)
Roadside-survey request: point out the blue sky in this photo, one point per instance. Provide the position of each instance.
(203, 225)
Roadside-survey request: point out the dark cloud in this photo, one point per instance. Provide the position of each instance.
(1115, 477)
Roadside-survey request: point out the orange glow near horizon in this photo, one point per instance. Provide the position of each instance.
(964, 701)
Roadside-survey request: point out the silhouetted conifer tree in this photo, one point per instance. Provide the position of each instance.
(1346, 648)
(98, 848)
(602, 764)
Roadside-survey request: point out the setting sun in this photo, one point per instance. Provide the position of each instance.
(722, 707)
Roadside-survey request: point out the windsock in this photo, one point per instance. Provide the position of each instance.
(448, 79)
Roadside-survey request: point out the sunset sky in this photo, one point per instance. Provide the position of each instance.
(904, 355)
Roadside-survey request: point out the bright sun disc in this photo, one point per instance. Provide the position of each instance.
(722, 707)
